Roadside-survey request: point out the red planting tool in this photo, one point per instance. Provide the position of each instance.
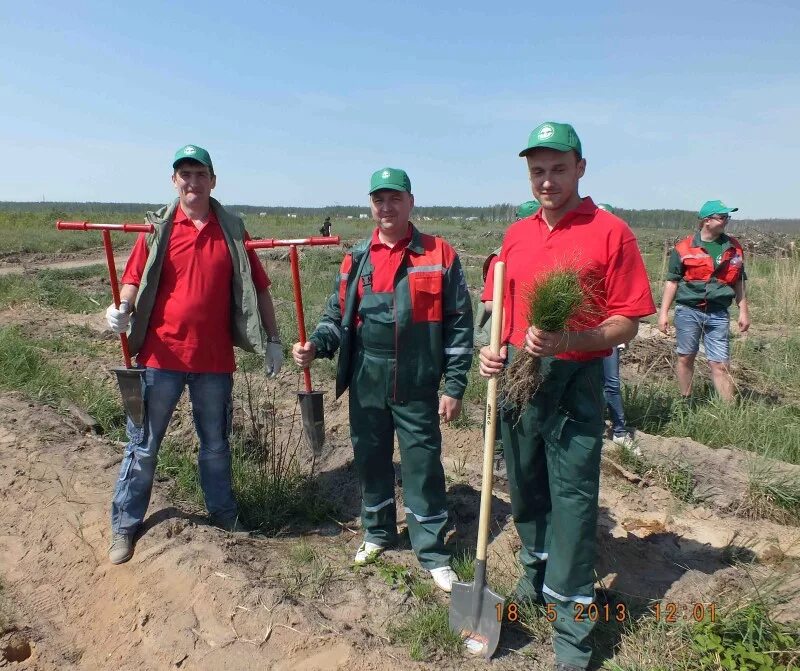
(128, 378)
(311, 409)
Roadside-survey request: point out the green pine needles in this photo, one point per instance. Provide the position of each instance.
(554, 299)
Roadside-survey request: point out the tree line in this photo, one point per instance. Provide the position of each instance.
(497, 213)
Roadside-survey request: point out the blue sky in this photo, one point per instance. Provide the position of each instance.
(299, 102)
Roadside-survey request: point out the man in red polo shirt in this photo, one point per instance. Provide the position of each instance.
(552, 446)
(191, 291)
(401, 319)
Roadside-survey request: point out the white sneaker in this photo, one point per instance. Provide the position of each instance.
(444, 577)
(627, 441)
(367, 552)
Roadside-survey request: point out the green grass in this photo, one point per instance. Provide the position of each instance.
(269, 501)
(773, 494)
(426, 632)
(58, 289)
(756, 426)
(463, 564)
(677, 477)
(405, 579)
(302, 553)
(25, 366)
(746, 639)
(774, 363)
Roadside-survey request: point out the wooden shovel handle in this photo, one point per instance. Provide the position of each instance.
(490, 427)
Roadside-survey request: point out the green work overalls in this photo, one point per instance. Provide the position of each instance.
(375, 417)
(552, 453)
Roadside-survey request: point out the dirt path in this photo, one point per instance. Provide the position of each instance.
(15, 268)
(194, 597)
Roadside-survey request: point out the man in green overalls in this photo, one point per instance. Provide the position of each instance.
(552, 443)
(401, 318)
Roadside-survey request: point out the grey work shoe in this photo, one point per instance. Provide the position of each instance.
(121, 549)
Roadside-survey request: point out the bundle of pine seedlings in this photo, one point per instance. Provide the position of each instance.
(553, 300)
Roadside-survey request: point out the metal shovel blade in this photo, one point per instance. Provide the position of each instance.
(313, 417)
(476, 612)
(130, 386)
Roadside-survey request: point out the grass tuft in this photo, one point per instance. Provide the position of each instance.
(426, 631)
(772, 494)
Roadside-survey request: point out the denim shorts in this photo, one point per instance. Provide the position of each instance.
(714, 327)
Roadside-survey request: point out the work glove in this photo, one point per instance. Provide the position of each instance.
(274, 359)
(118, 318)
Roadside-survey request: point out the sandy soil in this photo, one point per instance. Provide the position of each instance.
(195, 597)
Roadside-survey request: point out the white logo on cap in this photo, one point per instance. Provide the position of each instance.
(386, 174)
(546, 133)
(189, 149)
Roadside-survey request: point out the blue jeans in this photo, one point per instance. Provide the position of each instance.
(210, 394)
(691, 324)
(612, 392)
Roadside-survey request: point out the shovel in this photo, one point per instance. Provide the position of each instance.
(476, 612)
(311, 410)
(128, 378)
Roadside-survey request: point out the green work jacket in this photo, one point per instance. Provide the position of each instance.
(433, 319)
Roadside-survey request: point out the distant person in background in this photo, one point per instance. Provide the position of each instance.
(483, 321)
(612, 388)
(326, 227)
(190, 292)
(705, 275)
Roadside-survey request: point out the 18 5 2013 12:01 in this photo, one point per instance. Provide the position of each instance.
(618, 612)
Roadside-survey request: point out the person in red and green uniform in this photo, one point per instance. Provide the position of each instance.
(401, 319)
(483, 322)
(190, 292)
(552, 445)
(705, 275)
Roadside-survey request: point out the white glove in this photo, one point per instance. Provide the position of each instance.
(274, 359)
(118, 319)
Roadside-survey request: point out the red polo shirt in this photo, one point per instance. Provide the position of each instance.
(385, 262)
(190, 325)
(597, 242)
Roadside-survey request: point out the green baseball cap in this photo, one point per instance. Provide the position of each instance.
(606, 207)
(711, 207)
(552, 135)
(390, 178)
(527, 208)
(195, 153)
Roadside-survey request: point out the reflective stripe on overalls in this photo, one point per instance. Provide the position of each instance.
(374, 418)
(553, 463)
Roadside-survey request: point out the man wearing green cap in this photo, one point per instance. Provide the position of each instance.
(705, 275)
(401, 318)
(191, 291)
(552, 445)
